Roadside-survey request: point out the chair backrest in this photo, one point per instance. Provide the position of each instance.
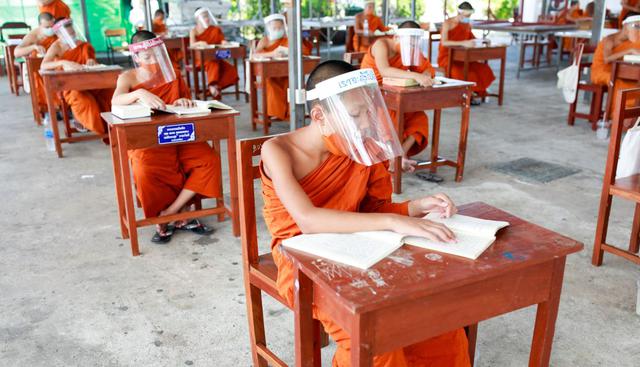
(354, 58)
(248, 172)
(116, 32)
(577, 54)
(13, 25)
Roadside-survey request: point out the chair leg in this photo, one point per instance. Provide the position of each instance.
(257, 335)
(572, 112)
(601, 228)
(596, 104)
(634, 243)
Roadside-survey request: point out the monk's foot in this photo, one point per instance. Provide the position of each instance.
(163, 234)
(78, 126)
(215, 92)
(408, 165)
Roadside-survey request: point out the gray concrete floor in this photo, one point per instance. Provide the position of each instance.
(71, 294)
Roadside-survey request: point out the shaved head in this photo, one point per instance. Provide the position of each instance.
(140, 36)
(409, 24)
(327, 70)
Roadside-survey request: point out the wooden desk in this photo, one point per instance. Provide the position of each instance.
(398, 304)
(57, 81)
(218, 52)
(265, 69)
(141, 133)
(33, 68)
(467, 55)
(10, 64)
(620, 70)
(414, 99)
(433, 36)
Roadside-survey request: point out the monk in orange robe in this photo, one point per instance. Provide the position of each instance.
(36, 43)
(385, 59)
(375, 24)
(456, 31)
(572, 14)
(86, 105)
(628, 6)
(275, 43)
(161, 30)
(167, 178)
(220, 74)
(57, 8)
(310, 187)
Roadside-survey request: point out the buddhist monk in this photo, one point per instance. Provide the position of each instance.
(276, 44)
(373, 21)
(456, 31)
(166, 178)
(615, 47)
(627, 7)
(313, 182)
(57, 8)
(385, 58)
(572, 15)
(220, 74)
(71, 52)
(159, 27)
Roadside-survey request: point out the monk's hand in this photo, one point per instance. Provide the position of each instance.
(70, 65)
(149, 99)
(438, 203)
(419, 227)
(423, 79)
(184, 102)
(91, 62)
(469, 43)
(38, 49)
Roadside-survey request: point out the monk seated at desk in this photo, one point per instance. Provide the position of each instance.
(401, 57)
(220, 74)
(331, 176)
(159, 27)
(456, 31)
(373, 22)
(570, 15)
(57, 8)
(612, 48)
(36, 43)
(72, 52)
(166, 178)
(276, 44)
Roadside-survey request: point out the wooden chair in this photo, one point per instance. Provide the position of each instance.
(626, 187)
(313, 35)
(13, 66)
(33, 67)
(111, 36)
(260, 271)
(348, 42)
(538, 45)
(11, 26)
(354, 58)
(597, 91)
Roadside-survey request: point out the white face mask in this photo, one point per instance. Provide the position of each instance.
(47, 31)
(276, 34)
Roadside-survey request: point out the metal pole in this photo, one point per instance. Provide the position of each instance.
(296, 72)
(148, 17)
(545, 7)
(385, 11)
(273, 6)
(83, 5)
(598, 21)
(413, 9)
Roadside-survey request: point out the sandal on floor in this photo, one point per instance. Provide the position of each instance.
(160, 239)
(196, 227)
(428, 176)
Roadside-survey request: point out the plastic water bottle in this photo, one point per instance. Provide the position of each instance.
(365, 26)
(48, 134)
(602, 132)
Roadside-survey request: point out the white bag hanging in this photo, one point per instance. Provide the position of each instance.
(569, 78)
(629, 160)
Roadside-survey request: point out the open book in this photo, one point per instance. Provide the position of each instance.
(631, 58)
(131, 111)
(364, 249)
(200, 108)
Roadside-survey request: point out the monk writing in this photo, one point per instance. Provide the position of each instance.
(276, 44)
(159, 27)
(57, 8)
(372, 20)
(166, 178)
(71, 52)
(456, 31)
(385, 57)
(220, 74)
(317, 179)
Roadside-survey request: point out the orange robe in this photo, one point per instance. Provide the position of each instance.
(342, 184)
(219, 72)
(375, 24)
(416, 124)
(57, 8)
(161, 173)
(479, 73)
(624, 12)
(86, 105)
(276, 88)
(38, 87)
(159, 27)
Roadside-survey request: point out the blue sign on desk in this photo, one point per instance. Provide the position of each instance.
(178, 133)
(223, 54)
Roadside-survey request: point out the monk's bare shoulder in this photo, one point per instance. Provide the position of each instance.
(276, 153)
(128, 78)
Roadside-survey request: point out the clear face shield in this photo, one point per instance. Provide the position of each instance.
(356, 122)
(465, 15)
(68, 33)
(205, 18)
(153, 66)
(632, 27)
(412, 45)
(275, 26)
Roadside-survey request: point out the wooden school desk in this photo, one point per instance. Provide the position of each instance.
(214, 52)
(10, 64)
(420, 294)
(415, 99)
(58, 81)
(620, 70)
(467, 55)
(144, 132)
(33, 69)
(264, 68)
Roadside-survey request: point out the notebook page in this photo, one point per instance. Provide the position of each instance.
(466, 245)
(469, 225)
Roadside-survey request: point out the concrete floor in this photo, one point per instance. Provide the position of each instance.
(71, 294)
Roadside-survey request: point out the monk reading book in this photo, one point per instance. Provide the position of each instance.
(401, 57)
(166, 178)
(456, 31)
(615, 47)
(367, 17)
(276, 44)
(72, 52)
(220, 74)
(331, 176)
(57, 8)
